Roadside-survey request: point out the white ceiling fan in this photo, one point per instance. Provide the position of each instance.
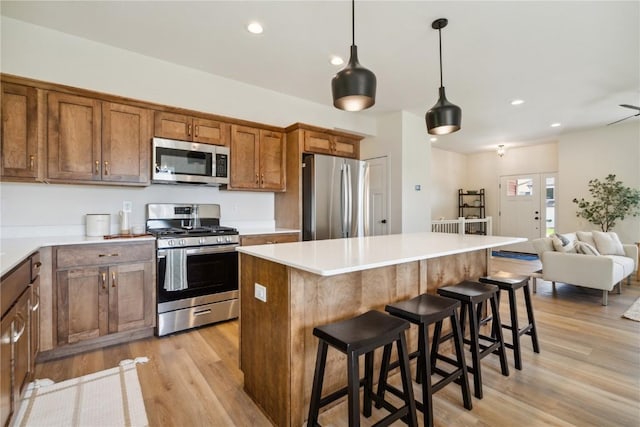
(633, 107)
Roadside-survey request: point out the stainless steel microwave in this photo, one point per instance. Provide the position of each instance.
(189, 162)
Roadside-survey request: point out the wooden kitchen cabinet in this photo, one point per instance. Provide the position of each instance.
(335, 145)
(93, 141)
(266, 239)
(257, 159)
(188, 128)
(104, 290)
(20, 148)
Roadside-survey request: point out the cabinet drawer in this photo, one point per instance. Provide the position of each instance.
(265, 239)
(103, 254)
(13, 284)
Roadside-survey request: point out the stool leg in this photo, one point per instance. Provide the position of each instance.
(353, 389)
(515, 329)
(384, 372)
(534, 331)
(368, 384)
(498, 331)
(475, 351)
(403, 357)
(421, 360)
(459, 347)
(318, 379)
(435, 345)
(424, 361)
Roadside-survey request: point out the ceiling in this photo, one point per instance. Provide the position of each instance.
(572, 62)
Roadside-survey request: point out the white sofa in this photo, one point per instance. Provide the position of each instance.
(578, 266)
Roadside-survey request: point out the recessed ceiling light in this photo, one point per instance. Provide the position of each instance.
(517, 102)
(336, 60)
(254, 28)
(556, 125)
(433, 139)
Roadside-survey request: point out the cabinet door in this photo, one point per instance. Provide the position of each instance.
(21, 338)
(245, 157)
(172, 126)
(208, 131)
(317, 142)
(345, 147)
(19, 131)
(5, 366)
(272, 161)
(83, 301)
(131, 296)
(126, 141)
(74, 124)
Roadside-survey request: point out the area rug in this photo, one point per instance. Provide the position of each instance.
(107, 398)
(634, 311)
(515, 255)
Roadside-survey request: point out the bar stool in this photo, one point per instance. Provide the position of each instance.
(425, 310)
(355, 337)
(511, 283)
(472, 295)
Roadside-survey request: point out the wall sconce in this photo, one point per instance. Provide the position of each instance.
(501, 150)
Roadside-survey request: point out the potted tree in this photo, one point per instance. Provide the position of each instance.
(612, 201)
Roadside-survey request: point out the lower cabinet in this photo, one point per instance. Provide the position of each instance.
(103, 290)
(266, 239)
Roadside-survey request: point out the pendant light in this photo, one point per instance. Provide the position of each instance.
(444, 117)
(353, 87)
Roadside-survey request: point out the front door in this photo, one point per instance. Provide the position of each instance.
(527, 208)
(378, 210)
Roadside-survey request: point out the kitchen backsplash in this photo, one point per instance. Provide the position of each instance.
(37, 209)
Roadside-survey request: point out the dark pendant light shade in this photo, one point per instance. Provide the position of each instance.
(354, 87)
(444, 117)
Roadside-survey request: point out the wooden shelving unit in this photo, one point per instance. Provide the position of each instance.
(471, 205)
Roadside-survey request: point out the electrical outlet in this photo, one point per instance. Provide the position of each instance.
(126, 206)
(260, 292)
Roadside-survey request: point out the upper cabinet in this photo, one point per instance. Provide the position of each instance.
(324, 142)
(20, 153)
(90, 140)
(187, 128)
(257, 159)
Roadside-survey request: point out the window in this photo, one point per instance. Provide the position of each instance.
(520, 187)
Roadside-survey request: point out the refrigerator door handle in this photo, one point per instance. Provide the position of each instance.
(343, 199)
(366, 219)
(349, 202)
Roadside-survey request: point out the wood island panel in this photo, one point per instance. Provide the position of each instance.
(277, 346)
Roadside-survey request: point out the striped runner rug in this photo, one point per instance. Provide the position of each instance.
(107, 398)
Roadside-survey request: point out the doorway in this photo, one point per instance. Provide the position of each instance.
(527, 208)
(378, 196)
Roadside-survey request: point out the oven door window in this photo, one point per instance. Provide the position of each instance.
(206, 274)
(183, 162)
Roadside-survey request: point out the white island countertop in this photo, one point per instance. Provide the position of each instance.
(338, 256)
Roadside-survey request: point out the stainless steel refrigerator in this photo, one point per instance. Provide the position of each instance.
(335, 194)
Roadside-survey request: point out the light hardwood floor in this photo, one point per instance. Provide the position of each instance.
(587, 374)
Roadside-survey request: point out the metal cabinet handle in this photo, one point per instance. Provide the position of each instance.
(113, 279)
(37, 296)
(38, 264)
(104, 280)
(257, 179)
(17, 335)
(106, 168)
(97, 171)
(197, 131)
(262, 179)
(104, 255)
(31, 162)
(202, 312)
(189, 130)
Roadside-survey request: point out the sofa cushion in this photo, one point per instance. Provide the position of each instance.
(541, 245)
(608, 243)
(586, 248)
(586, 236)
(570, 247)
(626, 263)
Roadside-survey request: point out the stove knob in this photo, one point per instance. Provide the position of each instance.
(171, 242)
(182, 242)
(202, 241)
(228, 239)
(219, 240)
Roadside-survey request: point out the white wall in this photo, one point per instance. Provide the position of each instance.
(595, 154)
(448, 175)
(39, 53)
(416, 160)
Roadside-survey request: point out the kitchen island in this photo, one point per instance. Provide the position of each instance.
(288, 289)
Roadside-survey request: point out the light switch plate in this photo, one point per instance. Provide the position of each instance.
(260, 292)
(127, 206)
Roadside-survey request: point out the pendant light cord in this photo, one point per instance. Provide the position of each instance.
(353, 22)
(440, 43)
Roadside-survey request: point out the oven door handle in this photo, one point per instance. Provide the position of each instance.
(203, 250)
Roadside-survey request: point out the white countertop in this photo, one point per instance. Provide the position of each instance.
(13, 251)
(338, 256)
(248, 231)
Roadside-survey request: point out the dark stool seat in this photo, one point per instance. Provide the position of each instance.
(510, 283)
(425, 310)
(355, 337)
(473, 295)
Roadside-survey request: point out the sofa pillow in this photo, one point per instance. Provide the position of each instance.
(586, 248)
(586, 236)
(570, 247)
(608, 243)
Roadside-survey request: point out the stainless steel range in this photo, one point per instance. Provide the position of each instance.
(197, 266)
